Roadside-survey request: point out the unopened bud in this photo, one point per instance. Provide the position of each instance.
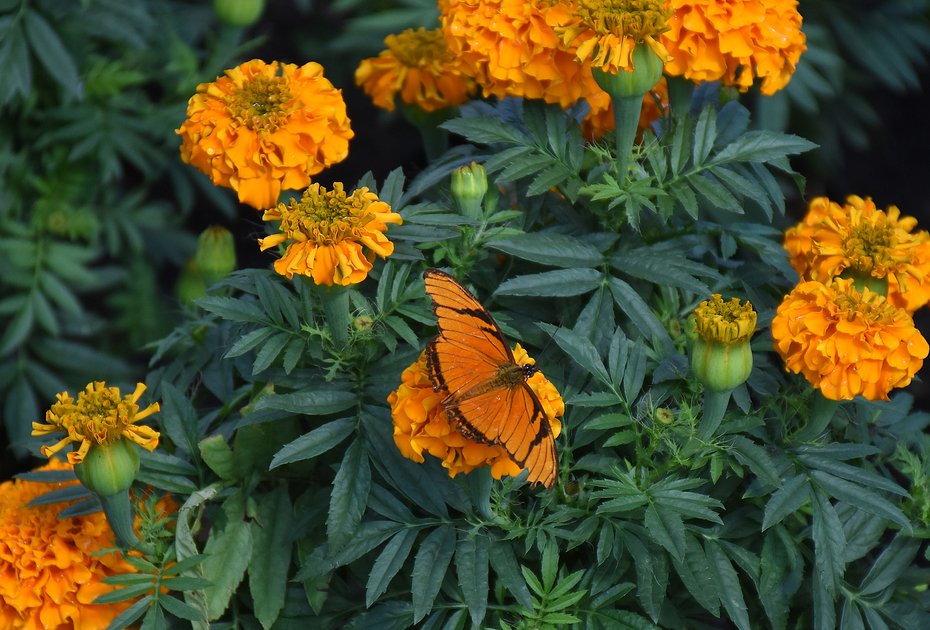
(721, 357)
(109, 469)
(216, 254)
(469, 186)
(646, 72)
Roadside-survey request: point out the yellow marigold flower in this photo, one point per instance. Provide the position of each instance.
(422, 425)
(606, 31)
(328, 231)
(264, 127)
(50, 568)
(510, 48)
(859, 240)
(600, 119)
(847, 343)
(418, 65)
(734, 41)
(99, 416)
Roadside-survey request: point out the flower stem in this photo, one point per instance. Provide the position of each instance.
(626, 122)
(118, 510)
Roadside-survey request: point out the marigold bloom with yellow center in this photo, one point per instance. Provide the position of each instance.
(734, 41)
(510, 48)
(421, 424)
(99, 416)
(847, 343)
(722, 321)
(265, 127)
(50, 568)
(860, 240)
(417, 65)
(606, 31)
(328, 231)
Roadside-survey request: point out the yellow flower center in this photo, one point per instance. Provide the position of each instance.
(325, 216)
(725, 322)
(867, 245)
(98, 415)
(418, 48)
(867, 305)
(637, 19)
(261, 103)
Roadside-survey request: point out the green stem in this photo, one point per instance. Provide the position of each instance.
(715, 405)
(626, 122)
(435, 139)
(119, 513)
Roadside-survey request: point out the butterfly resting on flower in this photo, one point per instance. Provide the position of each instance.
(488, 397)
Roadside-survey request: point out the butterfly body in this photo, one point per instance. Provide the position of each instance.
(488, 397)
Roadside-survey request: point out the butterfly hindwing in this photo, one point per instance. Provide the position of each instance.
(488, 399)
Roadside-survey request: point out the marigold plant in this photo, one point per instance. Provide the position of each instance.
(265, 127)
(870, 244)
(51, 568)
(845, 342)
(734, 41)
(333, 236)
(422, 425)
(419, 67)
(100, 415)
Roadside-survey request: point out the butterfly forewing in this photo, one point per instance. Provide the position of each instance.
(472, 361)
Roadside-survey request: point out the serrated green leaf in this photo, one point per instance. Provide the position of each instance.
(318, 402)
(860, 497)
(69, 493)
(762, 146)
(131, 614)
(471, 566)
(751, 454)
(580, 350)
(855, 474)
(349, 495)
(705, 133)
(728, 585)
(559, 283)
(829, 542)
(272, 536)
(51, 52)
(389, 563)
(314, 443)
(547, 248)
(667, 529)
(484, 130)
(429, 569)
(651, 574)
(17, 331)
(249, 341)
(125, 594)
(639, 312)
(233, 309)
(217, 454)
(695, 573)
(791, 496)
(179, 609)
(505, 565)
(228, 551)
(715, 194)
(890, 565)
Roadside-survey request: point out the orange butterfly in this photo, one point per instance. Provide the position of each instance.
(489, 399)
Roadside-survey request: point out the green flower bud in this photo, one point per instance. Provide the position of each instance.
(721, 357)
(647, 70)
(190, 285)
(216, 253)
(664, 415)
(109, 469)
(469, 186)
(239, 12)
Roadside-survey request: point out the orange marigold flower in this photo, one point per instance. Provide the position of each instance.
(418, 65)
(50, 568)
(510, 48)
(847, 343)
(734, 41)
(600, 119)
(99, 416)
(606, 31)
(328, 231)
(859, 240)
(264, 127)
(422, 425)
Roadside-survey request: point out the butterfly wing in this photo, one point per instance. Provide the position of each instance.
(466, 360)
